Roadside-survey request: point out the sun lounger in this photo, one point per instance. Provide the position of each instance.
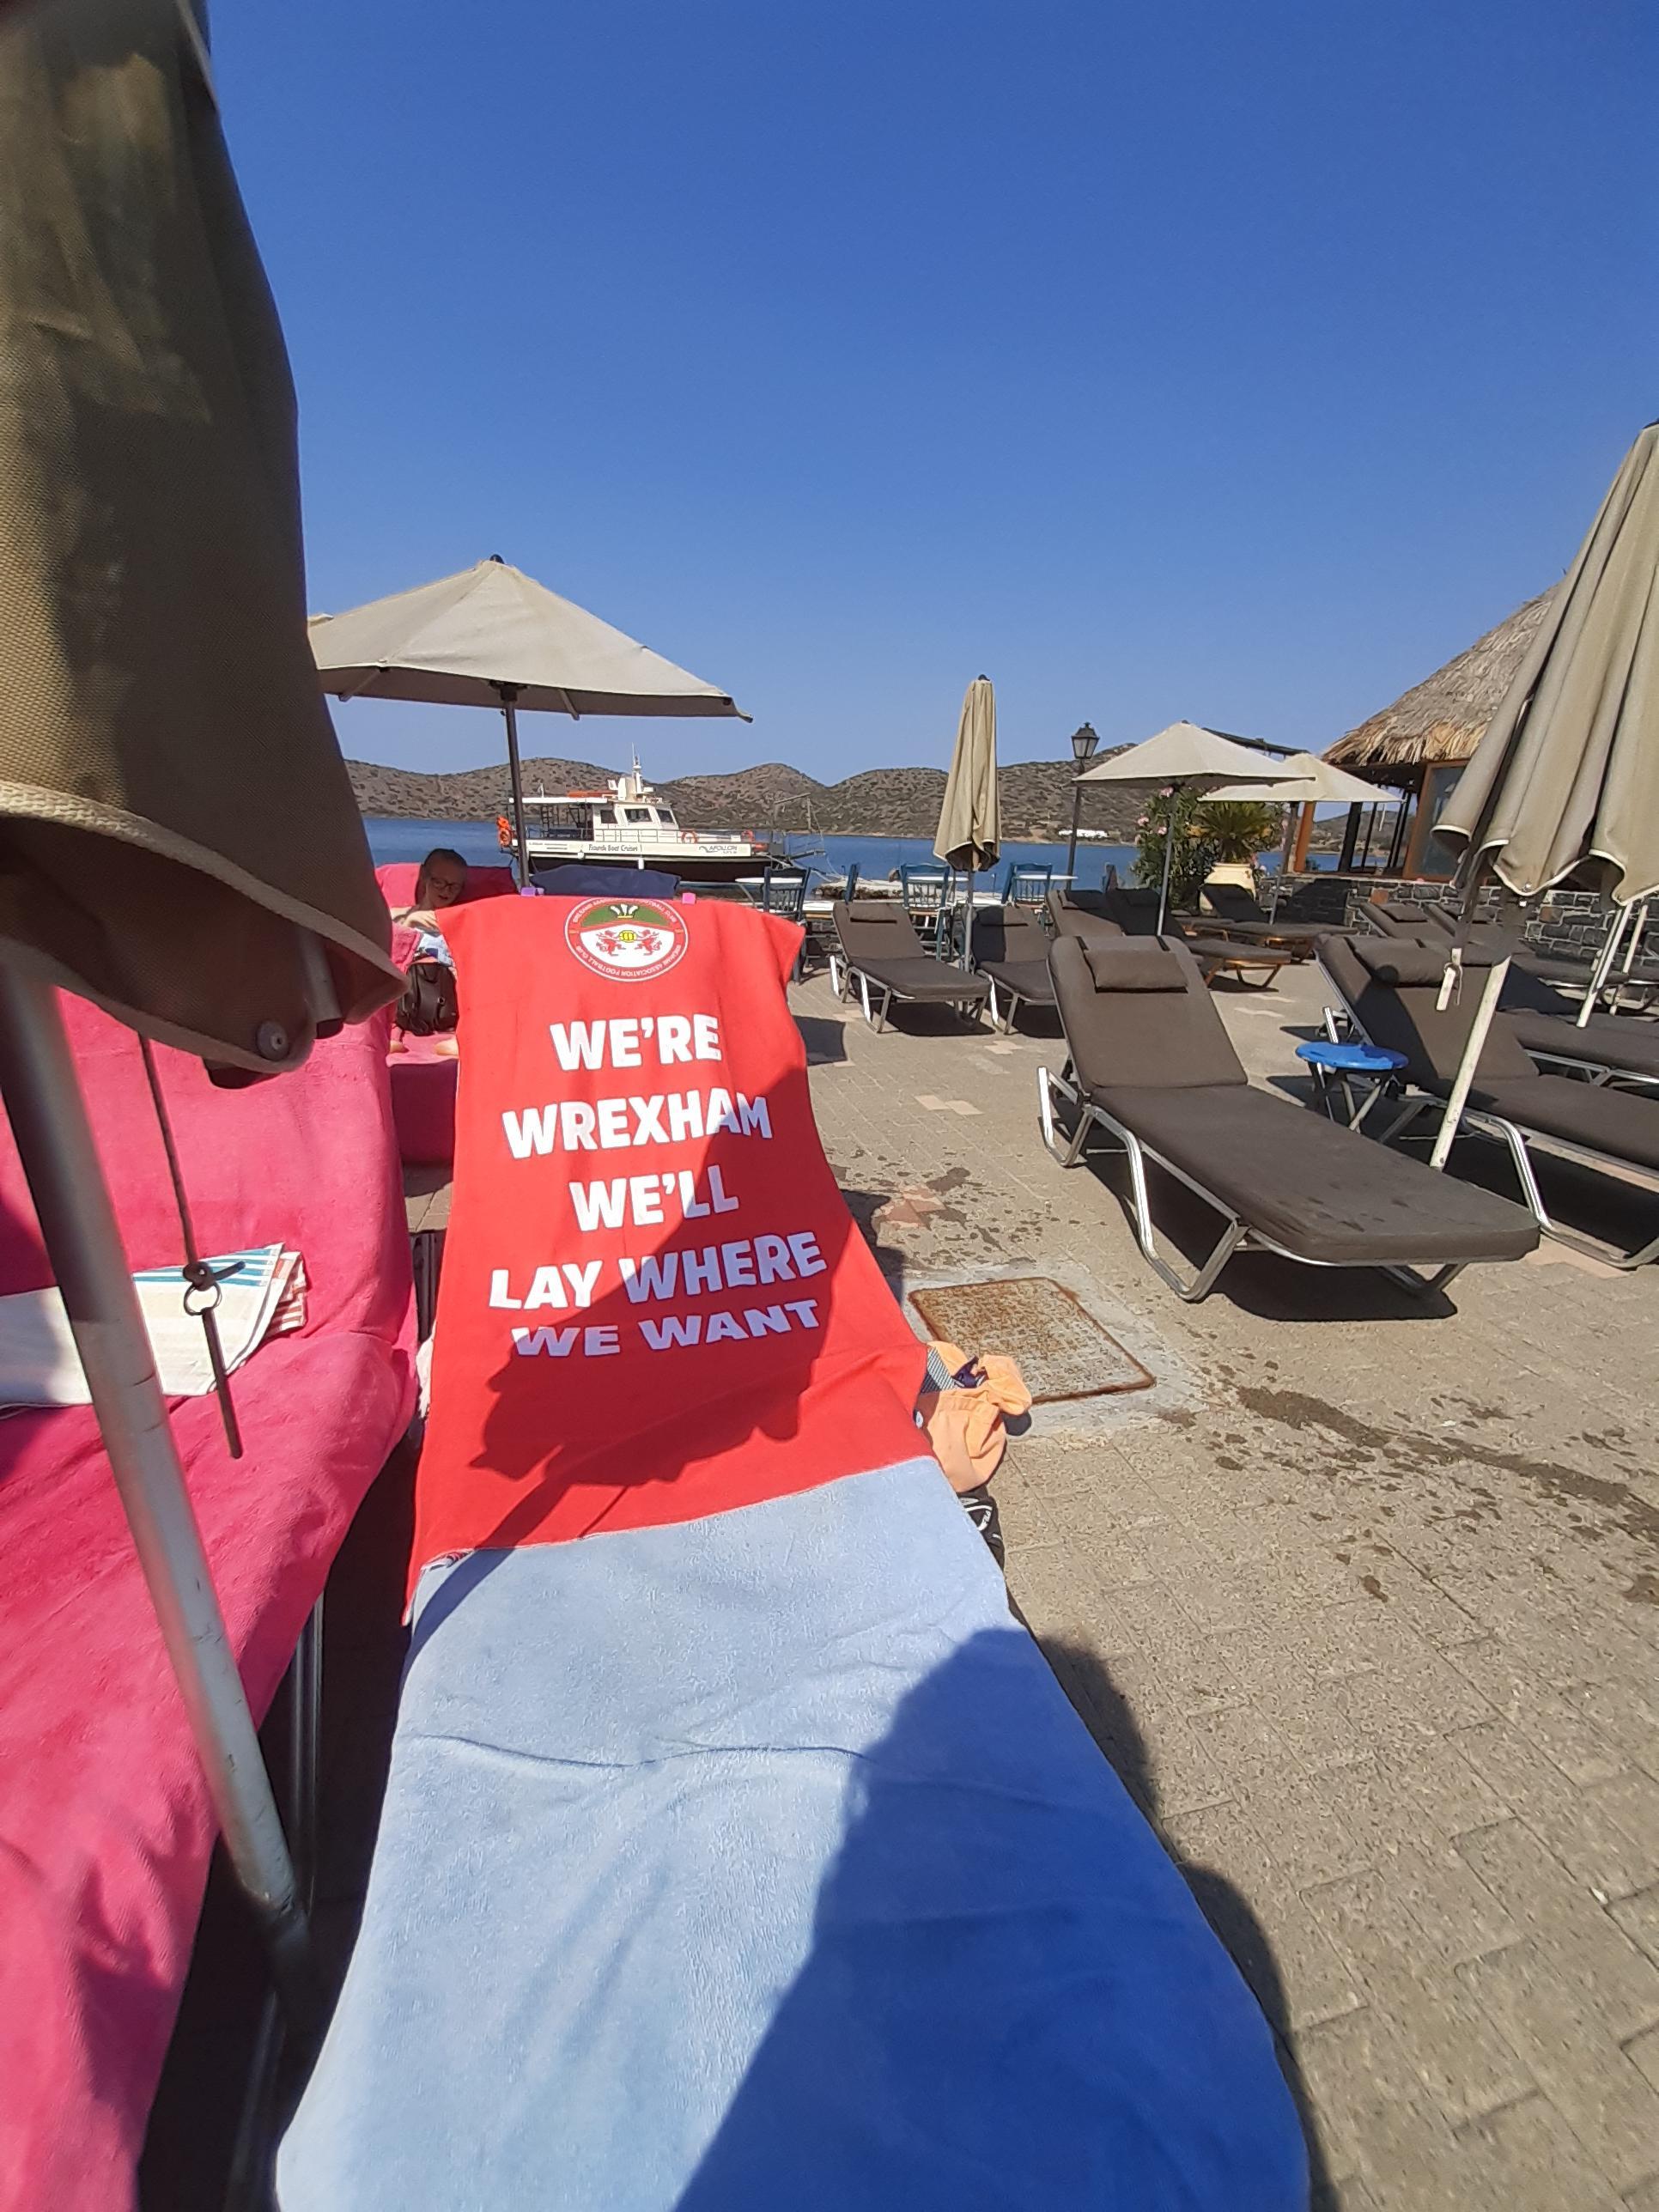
(1135, 911)
(1010, 950)
(740, 1850)
(1239, 912)
(1399, 918)
(1390, 991)
(879, 951)
(1612, 1048)
(1080, 913)
(1150, 1064)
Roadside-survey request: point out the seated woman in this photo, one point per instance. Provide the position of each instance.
(441, 882)
(428, 1007)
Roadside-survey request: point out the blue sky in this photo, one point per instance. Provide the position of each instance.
(1237, 362)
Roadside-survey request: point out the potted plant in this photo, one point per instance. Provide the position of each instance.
(1175, 813)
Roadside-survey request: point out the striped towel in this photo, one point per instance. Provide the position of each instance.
(262, 1295)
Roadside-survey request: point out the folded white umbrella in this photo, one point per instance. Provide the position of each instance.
(1185, 755)
(491, 636)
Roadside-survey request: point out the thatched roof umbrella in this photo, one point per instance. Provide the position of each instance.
(1436, 725)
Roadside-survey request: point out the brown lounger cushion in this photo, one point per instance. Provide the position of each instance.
(1609, 1040)
(1233, 949)
(1131, 964)
(1322, 1192)
(1622, 1123)
(936, 981)
(1029, 978)
(1405, 1019)
(1165, 1038)
(1080, 913)
(1400, 963)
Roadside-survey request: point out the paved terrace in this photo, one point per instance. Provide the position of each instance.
(1362, 1601)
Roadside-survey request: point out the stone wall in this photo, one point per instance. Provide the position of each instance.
(1572, 923)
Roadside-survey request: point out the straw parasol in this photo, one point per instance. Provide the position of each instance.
(1438, 722)
(970, 833)
(1185, 756)
(492, 636)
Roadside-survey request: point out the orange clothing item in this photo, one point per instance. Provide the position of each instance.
(967, 1428)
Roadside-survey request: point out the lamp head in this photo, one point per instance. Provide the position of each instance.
(1084, 738)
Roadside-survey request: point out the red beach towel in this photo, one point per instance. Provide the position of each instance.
(655, 1304)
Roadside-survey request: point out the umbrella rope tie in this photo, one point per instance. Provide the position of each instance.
(202, 1278)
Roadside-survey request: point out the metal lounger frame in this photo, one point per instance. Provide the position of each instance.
(843, 974)
(1517, 1137)
(1238, 1236)
(1002, 1022)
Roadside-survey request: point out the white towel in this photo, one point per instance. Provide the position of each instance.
(263, 1295)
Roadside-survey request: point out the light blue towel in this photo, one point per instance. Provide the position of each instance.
(759, 1864)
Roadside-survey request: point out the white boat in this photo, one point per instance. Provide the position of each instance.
(628, 826)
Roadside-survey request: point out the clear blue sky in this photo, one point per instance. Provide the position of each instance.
(1236, 362)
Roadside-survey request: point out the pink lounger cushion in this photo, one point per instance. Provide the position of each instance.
(104, 1825)
(397, 882)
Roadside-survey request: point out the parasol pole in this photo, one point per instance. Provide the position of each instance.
(508, 694)
(53, 1135)
(1603, 969)
(1472, 1050)
(1168, 855)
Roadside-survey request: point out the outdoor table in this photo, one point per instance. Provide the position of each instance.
(1336, 1067)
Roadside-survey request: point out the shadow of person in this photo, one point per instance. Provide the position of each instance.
(1009, 2000)
(1109, 1718)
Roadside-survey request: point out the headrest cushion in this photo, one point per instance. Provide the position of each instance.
(1400, 964)
(1133, 964)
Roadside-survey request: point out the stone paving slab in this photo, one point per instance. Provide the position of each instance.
(1361, 1600)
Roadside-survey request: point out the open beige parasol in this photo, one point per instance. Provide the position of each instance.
(492, 636)
(1185, 754)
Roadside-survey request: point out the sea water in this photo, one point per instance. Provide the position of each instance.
(402, 837)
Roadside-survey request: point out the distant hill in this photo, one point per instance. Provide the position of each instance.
(882, 802)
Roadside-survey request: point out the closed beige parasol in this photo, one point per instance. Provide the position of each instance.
(1565, 777)
(969, 834)
(178, 832)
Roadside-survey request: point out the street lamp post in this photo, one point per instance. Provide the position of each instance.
(1084, 741)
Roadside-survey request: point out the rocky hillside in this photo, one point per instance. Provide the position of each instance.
(884, 802)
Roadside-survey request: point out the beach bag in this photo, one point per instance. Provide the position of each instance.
(428, 1006)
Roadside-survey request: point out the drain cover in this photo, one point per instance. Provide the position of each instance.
(1059, 1346)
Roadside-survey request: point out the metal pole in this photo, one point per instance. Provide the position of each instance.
(1603, 968)
(48, 1114)
(509, 693)
(1077, 816)
(1470, 1061)
(1169, 855)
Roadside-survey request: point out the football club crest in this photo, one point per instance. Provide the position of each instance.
(628, 938)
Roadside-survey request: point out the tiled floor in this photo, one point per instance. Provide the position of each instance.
(1362, 1598)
